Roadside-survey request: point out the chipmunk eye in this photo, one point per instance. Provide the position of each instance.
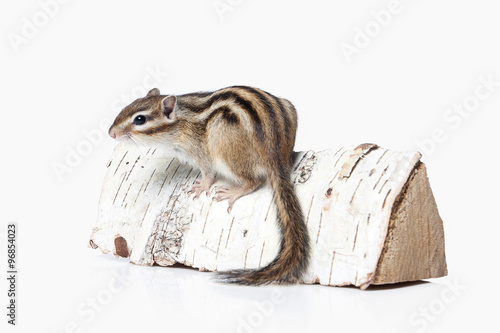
(139, 120)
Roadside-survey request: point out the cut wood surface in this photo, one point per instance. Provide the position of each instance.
(370, 212)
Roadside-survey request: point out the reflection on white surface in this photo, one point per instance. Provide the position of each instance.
(184, 298)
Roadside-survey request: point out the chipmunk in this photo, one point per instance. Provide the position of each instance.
(243, 134)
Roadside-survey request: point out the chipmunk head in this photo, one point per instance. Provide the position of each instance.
(146, 119)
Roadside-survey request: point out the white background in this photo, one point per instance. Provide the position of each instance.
(89, 57)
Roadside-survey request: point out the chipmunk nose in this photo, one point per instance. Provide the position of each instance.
(112, 133)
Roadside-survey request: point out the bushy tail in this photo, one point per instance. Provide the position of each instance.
(292, 260)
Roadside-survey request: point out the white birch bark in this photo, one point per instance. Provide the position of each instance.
(347, 196)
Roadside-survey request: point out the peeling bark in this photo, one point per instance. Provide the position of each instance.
(121, 248)
(352, 199)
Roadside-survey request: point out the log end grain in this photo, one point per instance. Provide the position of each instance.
(414, 247)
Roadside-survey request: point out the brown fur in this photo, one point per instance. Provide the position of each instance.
(253, 133)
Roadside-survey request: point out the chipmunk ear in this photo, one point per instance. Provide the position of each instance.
(168, 107)
(153, 92)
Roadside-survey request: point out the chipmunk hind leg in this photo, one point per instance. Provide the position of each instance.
(242, 172)
(236, 191)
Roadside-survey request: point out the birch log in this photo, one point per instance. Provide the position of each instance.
(370, 212)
